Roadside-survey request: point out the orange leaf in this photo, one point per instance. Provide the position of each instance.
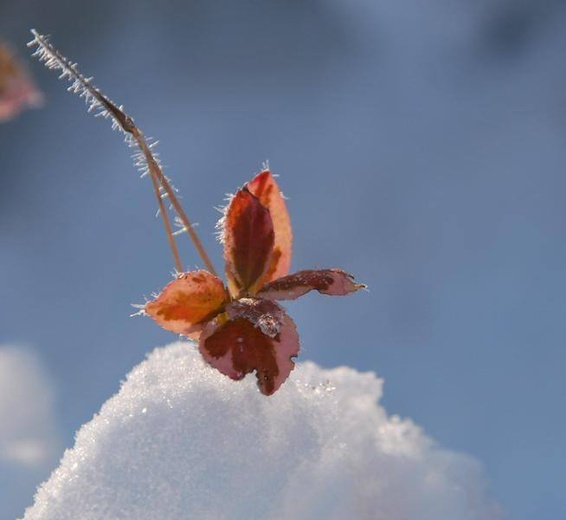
(248, 242)
(187, 302)
(264, 187)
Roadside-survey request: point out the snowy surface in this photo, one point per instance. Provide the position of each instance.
(180, 440)
(29, 441)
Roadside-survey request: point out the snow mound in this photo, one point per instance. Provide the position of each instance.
(180, 440)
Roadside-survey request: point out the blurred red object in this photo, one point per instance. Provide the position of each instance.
(17, 88)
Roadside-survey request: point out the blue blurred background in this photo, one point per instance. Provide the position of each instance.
(422, 145)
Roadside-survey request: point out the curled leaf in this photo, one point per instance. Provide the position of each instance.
(326, 281)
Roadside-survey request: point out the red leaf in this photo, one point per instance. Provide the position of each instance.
(236, 346)
(187, 302)
(264, 187)
(248, 242)
(326, 281)
(17, 89)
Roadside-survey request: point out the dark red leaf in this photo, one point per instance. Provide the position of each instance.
(264, 187)
(248, 242)
(244, 340)
(326, 281)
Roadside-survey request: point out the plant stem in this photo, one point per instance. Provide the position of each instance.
(97, 100)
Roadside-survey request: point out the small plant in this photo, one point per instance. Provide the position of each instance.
(240, 328)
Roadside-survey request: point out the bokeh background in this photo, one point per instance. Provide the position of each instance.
(422, 146)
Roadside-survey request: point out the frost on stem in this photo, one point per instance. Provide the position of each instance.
(145, 159)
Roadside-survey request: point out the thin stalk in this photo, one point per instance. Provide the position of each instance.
(96, 100)
(153, 165)
(167, 224)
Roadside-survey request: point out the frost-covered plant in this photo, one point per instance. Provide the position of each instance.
(240, 328)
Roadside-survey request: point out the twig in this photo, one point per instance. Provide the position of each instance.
(147, 160)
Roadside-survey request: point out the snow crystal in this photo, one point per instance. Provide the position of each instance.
(180, 440)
